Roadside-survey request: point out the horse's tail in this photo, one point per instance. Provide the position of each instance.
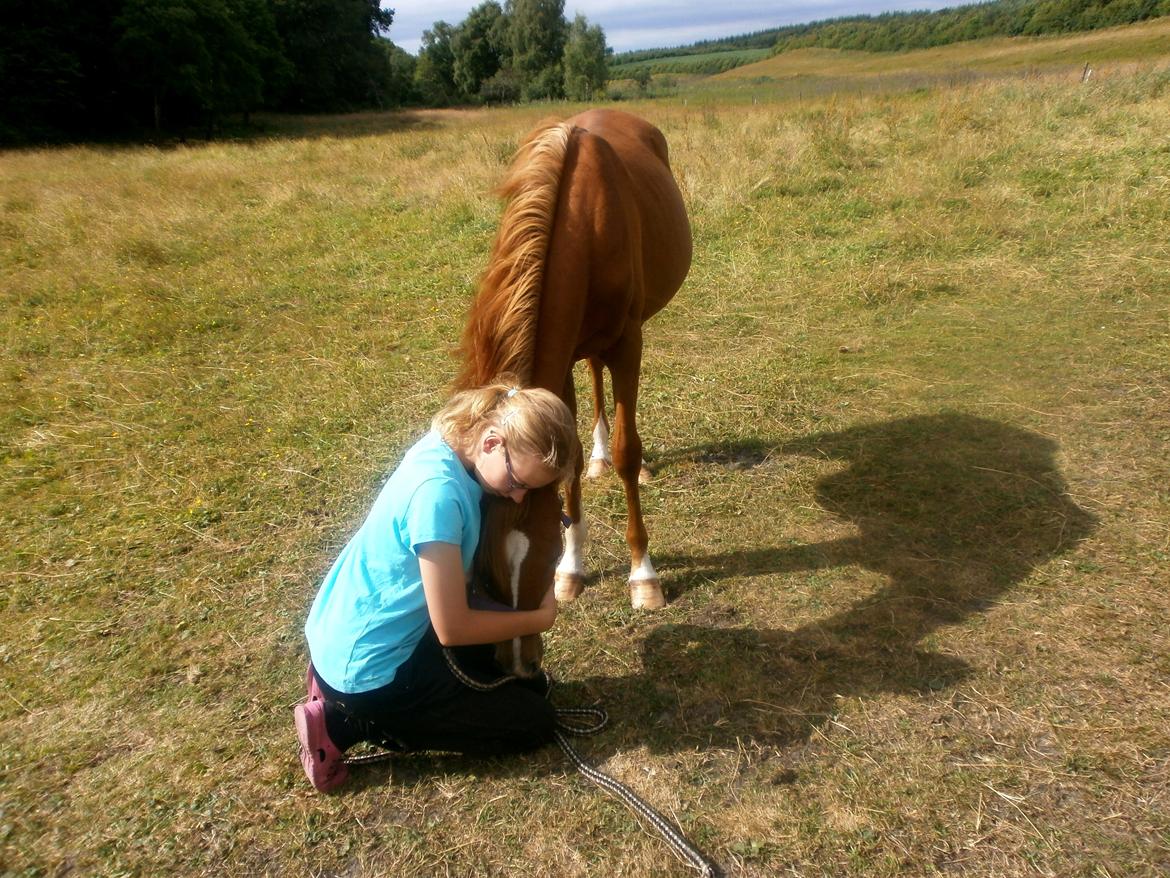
(501, 325)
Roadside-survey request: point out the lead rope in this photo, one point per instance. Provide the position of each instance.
(582, 722)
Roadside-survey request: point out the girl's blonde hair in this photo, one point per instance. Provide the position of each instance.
(530, 420)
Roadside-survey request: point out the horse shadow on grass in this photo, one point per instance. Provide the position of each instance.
(952, 510)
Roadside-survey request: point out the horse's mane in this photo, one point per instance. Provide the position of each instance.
(501, 325)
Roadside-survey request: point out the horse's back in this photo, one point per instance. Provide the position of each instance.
(629, 134)
(660, 215)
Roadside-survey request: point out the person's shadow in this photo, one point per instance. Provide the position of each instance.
(952, 510)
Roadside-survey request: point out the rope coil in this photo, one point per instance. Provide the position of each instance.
(582, 722)
(569, 722)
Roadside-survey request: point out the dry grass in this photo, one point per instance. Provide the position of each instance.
(912, 517)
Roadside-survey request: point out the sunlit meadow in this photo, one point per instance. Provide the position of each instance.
(908, 421)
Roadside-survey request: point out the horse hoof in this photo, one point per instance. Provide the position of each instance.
(646, 594)
(644, 476)
(569, 586)
(598, 467)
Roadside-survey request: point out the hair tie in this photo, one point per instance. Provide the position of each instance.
(512, 392)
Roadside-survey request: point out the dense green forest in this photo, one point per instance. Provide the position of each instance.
(118, 68)
(523, 50)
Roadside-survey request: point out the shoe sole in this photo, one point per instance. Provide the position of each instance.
(312, 751)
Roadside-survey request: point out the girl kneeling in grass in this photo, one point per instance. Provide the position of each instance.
(398, 594)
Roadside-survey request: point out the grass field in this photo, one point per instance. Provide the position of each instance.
(702, 63)
(908, 419)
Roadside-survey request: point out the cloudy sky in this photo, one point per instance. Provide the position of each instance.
(649, 24)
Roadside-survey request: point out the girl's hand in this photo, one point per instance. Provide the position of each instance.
(455, 622)
(548, 605)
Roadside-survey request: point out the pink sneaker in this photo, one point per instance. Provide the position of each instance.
(324, 764)
(311, 687)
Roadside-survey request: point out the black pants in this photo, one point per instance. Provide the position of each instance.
(428, 708)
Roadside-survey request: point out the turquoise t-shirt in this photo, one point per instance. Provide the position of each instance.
(370, 611)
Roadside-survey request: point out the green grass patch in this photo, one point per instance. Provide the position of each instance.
(704, 63)
(907, 419)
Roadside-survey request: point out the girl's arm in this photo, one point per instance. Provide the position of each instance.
(455, 623)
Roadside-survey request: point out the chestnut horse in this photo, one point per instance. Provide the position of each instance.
(593, 241)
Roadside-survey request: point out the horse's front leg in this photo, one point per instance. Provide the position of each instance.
(570, 574)
(625, 365)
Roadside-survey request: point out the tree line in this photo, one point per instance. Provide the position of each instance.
(899, 31)
(113, 67)
(117, 67)
(761, 39)
(523, 50)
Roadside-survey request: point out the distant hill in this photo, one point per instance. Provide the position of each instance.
(893, 32)
(1143, 42)
(900, 31)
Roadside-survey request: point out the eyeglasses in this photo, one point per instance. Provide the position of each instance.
(514, 484)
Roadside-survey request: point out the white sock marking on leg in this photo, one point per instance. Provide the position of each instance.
(644, 570)
(601, 443)
(572, 559)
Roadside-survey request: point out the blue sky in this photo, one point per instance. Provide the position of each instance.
(648, 24)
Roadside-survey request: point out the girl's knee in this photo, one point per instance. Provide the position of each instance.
(540, 721)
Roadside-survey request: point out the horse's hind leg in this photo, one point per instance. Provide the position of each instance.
(599, 460)
(570, 573)
(624, 365)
